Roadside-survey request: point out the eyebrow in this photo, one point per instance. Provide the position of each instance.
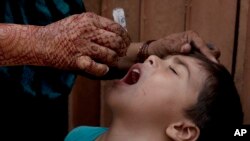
(183, 63)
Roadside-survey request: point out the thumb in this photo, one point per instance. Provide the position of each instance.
(90, 66)
(186, 48)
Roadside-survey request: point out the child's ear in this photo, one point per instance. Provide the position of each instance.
(183, 131)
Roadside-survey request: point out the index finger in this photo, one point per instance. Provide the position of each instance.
(111, 26)
(199, 44)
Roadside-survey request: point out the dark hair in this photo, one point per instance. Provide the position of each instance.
(218, 106)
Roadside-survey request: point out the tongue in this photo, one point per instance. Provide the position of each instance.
(132, 77)
(135, 77)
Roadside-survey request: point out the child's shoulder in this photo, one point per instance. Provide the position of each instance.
(85, 133)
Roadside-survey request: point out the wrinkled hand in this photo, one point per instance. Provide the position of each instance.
(84, 41)
(182, 43)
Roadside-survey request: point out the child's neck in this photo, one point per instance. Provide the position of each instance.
(120, 131)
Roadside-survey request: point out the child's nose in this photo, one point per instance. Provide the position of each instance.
(153, 60)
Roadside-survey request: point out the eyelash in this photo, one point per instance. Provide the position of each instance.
(173, 70)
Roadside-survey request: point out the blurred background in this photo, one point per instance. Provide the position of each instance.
(224, 23)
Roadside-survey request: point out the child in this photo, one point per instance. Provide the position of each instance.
(180, 98)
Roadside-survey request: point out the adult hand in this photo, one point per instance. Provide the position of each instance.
(82, 42)
(183, 43)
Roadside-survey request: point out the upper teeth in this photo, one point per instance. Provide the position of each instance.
(136, 71)
(135, 75)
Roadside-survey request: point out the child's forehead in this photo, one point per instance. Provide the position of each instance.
(185, 58)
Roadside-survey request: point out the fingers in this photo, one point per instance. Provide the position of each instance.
(170, 45)
(214, 50)
(97, 52)
(184, 43)
(111, 26)
(186, 48)
(90, 66)
(195, 39)
(110, 40)
(103, 54)
(119, 30)
(107, 33)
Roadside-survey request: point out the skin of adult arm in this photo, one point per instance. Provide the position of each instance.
(85, 42)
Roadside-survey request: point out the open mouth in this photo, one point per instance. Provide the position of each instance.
(132, 76)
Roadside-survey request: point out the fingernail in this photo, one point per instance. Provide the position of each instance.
(186, 48)
(107, 70)
(210, 46)
(214, 60)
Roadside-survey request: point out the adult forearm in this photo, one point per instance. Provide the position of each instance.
(17, 43)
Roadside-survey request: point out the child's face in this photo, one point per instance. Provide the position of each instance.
(162, 89)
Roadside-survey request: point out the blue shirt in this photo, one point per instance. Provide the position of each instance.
(85, 133)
